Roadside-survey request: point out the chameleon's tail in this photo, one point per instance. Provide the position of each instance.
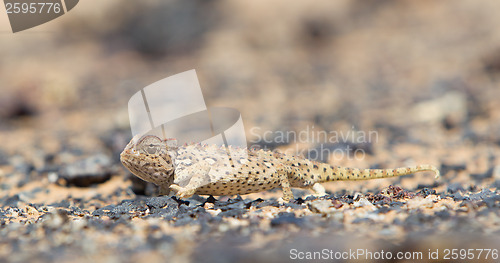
(337, 173)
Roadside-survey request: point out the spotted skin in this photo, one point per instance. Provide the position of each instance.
(209, 170)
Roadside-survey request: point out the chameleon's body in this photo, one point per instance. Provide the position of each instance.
(209, 170)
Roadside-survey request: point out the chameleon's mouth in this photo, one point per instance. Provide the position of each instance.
(128, 153)
(123, 156)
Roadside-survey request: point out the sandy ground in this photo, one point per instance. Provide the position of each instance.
(422, 75)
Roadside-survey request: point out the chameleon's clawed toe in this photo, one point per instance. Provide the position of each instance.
(182, 192)
(285, 199)
(318, 190)
(175, 187)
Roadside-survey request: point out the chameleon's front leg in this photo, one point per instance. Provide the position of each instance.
(183, 192)
(165, 187)
(285, 184)
(198, 180)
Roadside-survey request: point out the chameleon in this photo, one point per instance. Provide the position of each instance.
(215, 170)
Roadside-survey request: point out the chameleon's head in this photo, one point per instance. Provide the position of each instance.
(149, 158)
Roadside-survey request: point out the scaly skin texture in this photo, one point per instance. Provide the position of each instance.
(210, 170)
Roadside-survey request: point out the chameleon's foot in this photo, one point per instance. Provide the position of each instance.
(282, 200)
(318, 189)
(182, 192)
(287, 196)
(436, 171)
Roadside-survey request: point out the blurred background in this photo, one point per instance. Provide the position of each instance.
(423, 74)
(419, 72)
(422, 66)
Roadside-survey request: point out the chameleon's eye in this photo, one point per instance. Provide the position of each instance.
(152, 149)
(150, 145)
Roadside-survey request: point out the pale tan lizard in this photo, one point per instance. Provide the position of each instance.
(209, 170)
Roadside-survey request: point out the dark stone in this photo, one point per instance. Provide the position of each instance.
(309, 198)
(426, 192)
(156, 242)
(165, 207)
(484, 212)
(63, 204)
(378, 199)
(270, 202)
(36, 206)
(195, 201)
(349, 199)
(384, 210)
(120, 218)
(321, 206)
(12, 201)
(294, 205)
(104, 210)
(97, 223)
(215, 220)
(109, 207)
(180, 201)
(211, 199)
(422, 186)
(185, 220)
(395, 204)
(492, 201)
(159, 202)
(98, 212)
(253, 203)
(485, 193)
(93, 170)
(77, 211)
(237, 203)
(443, 214)
(122, 209)
(458, 197)
(164, 213)
(454, 187)
(285, 218)
(417, 219)
(362, 220)
(200, 212)
(237, 212)
(184, 209)
(49, 169)
(398, 192)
